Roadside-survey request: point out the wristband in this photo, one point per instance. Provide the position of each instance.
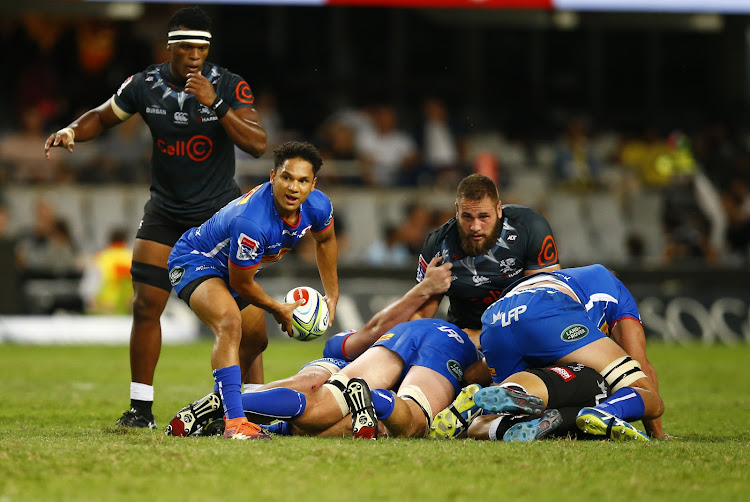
(69, 131)
(219, 107)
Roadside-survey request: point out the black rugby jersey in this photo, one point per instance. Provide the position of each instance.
(192, 164)
(525, 243)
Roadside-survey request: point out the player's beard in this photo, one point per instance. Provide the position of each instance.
(472, 248)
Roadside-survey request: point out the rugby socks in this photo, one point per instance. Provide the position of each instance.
(383, 401)
(142, 398)
(626, 404)
(229, 383)
(280, 402)
(334, 346)
(279, 428)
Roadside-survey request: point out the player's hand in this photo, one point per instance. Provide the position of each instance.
(200, 87)
(283, 316)
(62, 139)
(331, 303)
(437, 277)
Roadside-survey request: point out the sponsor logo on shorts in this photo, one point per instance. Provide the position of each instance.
(175, 275)
(247, 248)
(205, 267)
(455, 369)
(563, 372)
(574, 332)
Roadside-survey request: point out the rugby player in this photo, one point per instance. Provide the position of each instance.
(213, 267)
(489, 244)
(197, 113)
(578, 315)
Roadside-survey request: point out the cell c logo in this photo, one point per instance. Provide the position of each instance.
(199, 148)
(244, 94)
(548, 254)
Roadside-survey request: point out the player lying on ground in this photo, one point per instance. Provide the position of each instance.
(425, 361)
(561, 318)
(193, 418)
(531, 404)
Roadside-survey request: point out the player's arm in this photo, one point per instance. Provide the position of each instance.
(242, 280)
(88, 126)
(629, 334)
(437, 279)
(242, 125)
(326, 255)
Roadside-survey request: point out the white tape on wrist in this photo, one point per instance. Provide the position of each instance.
(69, 131)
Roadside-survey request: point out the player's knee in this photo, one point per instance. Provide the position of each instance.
(147, 307)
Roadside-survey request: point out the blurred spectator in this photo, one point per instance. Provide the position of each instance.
(338, 150)
(440, 145)
(19, 156)
(575, 165)
(106, 286)
(390, 154)
(9, 274)
(415, 226)
(736, 202)
(47, 250)
(657, 160)
(389, 251)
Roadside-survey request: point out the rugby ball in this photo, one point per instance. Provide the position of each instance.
(309, 320)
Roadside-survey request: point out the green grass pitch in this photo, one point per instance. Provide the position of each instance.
(57, 405)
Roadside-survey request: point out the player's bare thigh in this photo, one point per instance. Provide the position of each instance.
(380, 367)
(151, 252)
(436, 388)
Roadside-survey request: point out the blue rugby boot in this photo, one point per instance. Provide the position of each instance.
(536, 428)
(504, 400)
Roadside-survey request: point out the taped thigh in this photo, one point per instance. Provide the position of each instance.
(151, 275)
(415, 394)
(622, 372)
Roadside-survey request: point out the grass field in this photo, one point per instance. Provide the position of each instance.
(57, 405)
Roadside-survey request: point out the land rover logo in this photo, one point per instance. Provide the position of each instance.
(455, 368)
(574, 332)
(175, 275)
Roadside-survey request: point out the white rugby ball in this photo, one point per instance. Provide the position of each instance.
(310, 319)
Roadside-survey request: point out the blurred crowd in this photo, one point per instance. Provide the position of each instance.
(699, 174)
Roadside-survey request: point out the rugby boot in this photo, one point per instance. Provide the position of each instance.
(137, 419)
(359, 400)
(242, 429)
(600, 423)
(191, 420)
(504, 400)
(536, 428)
(455, 419)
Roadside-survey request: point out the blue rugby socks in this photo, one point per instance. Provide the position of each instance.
(229, 383)
(383, 401)
(626, 404)
(280, 402)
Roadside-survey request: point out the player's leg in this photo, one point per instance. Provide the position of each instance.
(422, 391)
(633, 394)
(214, 305)
(151, 289)
(254, 342)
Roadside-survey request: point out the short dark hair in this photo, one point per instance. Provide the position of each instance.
(192, 18)
(297, 150)
(477, 187)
